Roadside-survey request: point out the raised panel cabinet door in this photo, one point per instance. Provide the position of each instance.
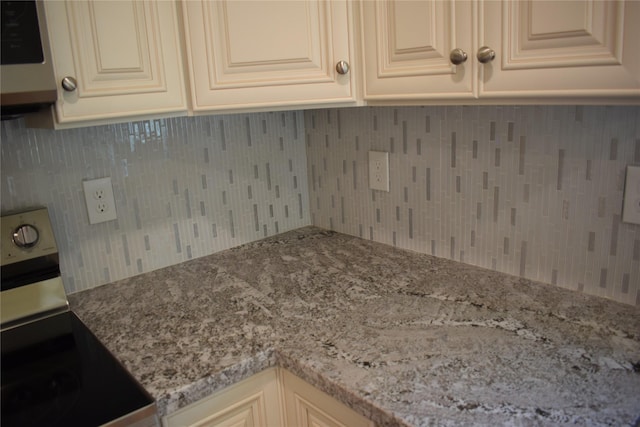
(407, 47)
(124, 56)
(254, 54)
(253, 402)
(560, 48)
(306, 406)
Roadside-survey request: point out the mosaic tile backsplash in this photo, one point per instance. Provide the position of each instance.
(184, 188)
(531, 191)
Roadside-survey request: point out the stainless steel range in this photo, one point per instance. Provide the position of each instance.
(55, 372)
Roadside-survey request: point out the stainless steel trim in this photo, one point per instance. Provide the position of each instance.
(22, 98)
(20, 305)
(30, 84)
(146, 416)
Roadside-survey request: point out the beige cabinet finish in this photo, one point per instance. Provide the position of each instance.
(124, 55)
(306, 406)
(571, 51)
(128, 56)
(561, 48)
(254, 54)
(271, 398)
(406, 46)
(252, 402)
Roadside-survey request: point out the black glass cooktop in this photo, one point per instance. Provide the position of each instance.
(55, 372)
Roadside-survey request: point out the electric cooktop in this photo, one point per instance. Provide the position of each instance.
(55, 372)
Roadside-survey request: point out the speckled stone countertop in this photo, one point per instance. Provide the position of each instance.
(403, 338)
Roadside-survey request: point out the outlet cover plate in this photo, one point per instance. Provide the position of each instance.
(379, 170)
(98, 195)
(631, 204)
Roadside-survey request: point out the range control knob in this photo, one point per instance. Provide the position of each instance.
(25, 236)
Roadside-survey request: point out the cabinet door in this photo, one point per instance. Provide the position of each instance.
(407, 45)
(306, 406)
(124, 55)
(561, 48)
(253, 54)
(253, 402)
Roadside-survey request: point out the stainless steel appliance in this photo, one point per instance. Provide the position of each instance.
(27, 76)
(55, 372)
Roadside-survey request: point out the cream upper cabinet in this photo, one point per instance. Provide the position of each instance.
(122, 56)
(407, 45)
(561, 48)
(543, 51)
(276, 54)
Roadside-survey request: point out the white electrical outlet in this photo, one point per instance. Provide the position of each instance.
(631, 205)
(379, 170)
(101, 206)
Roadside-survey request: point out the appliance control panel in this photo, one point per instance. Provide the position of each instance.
(26, 235)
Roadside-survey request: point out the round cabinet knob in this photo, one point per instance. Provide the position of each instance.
(486, 54)
(457, 56)
(342, 67)
(69, 84)
(25, 236)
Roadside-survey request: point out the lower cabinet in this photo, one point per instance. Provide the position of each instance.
(271, 398)
(306, 406)
(250, 403)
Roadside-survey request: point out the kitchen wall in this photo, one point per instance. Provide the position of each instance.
(184, 188)
(531, 191)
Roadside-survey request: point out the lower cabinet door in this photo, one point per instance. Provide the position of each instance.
(271, 398)
(250, 403)
(306, 406)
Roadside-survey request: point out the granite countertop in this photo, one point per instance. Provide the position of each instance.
(403, 338)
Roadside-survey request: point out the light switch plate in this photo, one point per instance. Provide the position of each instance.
(379, 170)
(631, 204)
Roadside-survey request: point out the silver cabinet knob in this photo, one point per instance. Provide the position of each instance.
(342, 67)
(69, 84)
(457, 56)
(486, 54)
